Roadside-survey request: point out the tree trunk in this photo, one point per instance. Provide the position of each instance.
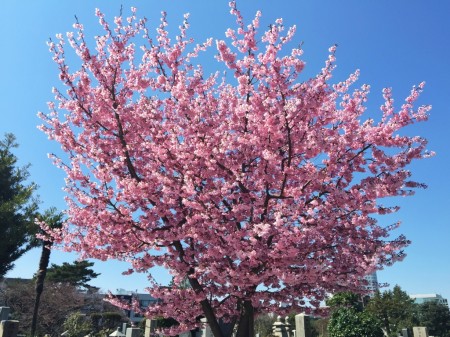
(246, 325)
(386, 324)
(40, 277)
(206, 308)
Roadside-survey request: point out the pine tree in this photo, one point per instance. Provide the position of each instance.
(77, 273)
(18, 206)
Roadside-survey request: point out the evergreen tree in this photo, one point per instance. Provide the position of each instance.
(18, 207)
(78, 273)
(436, 317)
(395, 310)
(348, 318)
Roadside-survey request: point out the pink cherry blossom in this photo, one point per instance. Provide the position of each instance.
(257, 189)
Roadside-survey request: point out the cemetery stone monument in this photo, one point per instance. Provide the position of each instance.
(420, 331)
(302, 326)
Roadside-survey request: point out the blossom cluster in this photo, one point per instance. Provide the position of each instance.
(258, 189)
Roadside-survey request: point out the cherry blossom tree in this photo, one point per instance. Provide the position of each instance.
(255, 186)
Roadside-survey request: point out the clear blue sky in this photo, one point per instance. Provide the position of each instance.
(394, 43)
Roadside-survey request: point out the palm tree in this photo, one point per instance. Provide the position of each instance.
(53, 220)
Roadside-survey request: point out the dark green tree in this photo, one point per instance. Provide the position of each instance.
(53, 220)
(345, 300)
(348, 319)
(436, 317)
(78, 273)
(348, 322)
(18, 206)
(394, 309)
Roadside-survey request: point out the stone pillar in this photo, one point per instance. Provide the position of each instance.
(302, 326)
(133, 332)
(124, 328)
(9, 328)
(420, 331)
(205, 330)
(281, 327)
(150, 327)
(4, 313)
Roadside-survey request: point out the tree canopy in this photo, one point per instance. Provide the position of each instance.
(348, 318)
(348, 322)
(436, 317)
(78, 273)
(345, 299)
(259, 187)
(18, 206)
(394, 309)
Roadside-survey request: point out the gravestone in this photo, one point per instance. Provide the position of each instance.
(150, 327)
(4, 313)
(124, 328)
(205, 330)
(133, 332)
(302, 326)
(117, 333)
(9, 328)
(420, 331)
(404, 333)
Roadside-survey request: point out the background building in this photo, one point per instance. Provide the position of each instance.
(144, 301)
(372, 283)
(423, 298)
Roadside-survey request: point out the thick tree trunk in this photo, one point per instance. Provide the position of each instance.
(246, 325)
(207, 309)
(40, 277)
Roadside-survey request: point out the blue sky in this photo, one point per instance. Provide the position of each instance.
(394, 43)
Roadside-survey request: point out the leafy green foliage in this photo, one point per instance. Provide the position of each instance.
(78, 273)
(348, 318)
(18, 207)
(345, 300)
(436, 317)
(348, 322)
(394, 309)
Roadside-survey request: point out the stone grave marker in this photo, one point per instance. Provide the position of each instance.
(420, 331)
(4, 313)
(302, 326)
